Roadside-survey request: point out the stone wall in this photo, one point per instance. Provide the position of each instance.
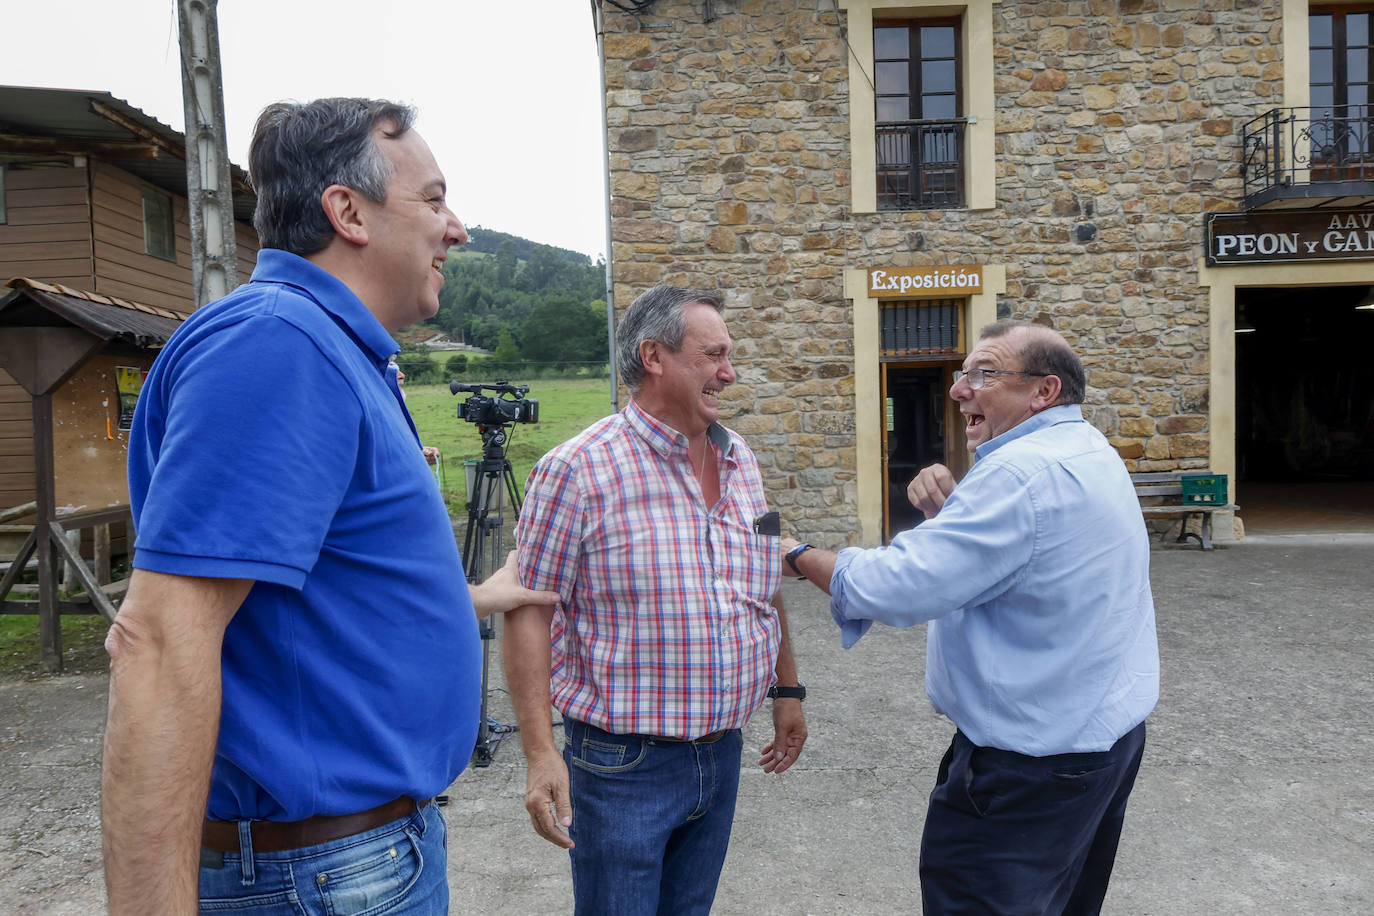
(1117, 129)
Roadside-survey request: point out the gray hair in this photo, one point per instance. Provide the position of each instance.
(1046, 351)
(658, 315)
(299, 149)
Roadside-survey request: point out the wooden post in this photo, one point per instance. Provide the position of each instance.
(49, 621)
(69, 579)
(101, 545)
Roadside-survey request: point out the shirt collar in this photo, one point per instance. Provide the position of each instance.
(665, 440)
(331, 294)
(1063, 413)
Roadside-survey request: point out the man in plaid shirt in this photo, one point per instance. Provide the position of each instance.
(651, 525)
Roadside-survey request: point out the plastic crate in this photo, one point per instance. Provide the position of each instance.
(1206, 489)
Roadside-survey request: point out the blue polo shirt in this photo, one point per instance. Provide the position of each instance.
(267, 445)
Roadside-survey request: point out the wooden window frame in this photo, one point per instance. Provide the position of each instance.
(921, 183)
(1341, 133)
(150, 240)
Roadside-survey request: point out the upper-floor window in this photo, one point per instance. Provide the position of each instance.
(1339, 49)
(158, 228)
(917, 67)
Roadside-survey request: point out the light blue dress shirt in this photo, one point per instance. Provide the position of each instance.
(1035, 578)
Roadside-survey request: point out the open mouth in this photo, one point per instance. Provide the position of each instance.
(708, 394)
(975, 420)
(438, 263)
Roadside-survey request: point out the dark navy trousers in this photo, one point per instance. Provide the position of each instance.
(1009, 834)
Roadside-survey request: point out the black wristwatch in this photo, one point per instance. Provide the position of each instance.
(787, 693)
(791, 557)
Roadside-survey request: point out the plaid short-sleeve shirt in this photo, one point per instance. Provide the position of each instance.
(666, 625)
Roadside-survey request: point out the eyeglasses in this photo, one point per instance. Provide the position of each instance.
(975, 377)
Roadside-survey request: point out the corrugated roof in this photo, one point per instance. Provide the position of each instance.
(33, 303)
(113, 131)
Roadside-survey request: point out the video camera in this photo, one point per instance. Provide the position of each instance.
(507, 403)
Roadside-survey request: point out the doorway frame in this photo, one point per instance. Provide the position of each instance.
(955, 457)
(1221, 284)
(979, 310)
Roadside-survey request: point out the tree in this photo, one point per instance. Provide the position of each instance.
(418, 367)
(505, 360)
(563, 331)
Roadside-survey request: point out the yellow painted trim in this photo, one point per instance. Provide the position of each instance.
(1297, 74)
(979, 100)
(868, 435)
(982, 308)
(1221, 284)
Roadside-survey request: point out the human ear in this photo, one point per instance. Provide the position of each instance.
(341, 208)
(651, 356)
(1046, 392)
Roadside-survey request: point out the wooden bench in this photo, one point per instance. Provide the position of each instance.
(1161, 496)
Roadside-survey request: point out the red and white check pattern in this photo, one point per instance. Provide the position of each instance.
(666, 626)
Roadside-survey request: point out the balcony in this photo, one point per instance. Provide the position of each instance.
(921, 164)
(1309, 158)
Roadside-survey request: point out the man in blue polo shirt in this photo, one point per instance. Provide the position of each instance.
(295, 671)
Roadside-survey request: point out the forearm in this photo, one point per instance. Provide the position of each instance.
(817, 565)
(160, 737)
(786, 667)
(527, 655)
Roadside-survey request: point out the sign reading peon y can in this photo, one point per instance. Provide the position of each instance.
(940, 281)
(1260, 237)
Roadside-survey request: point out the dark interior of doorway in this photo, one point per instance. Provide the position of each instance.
(1305, 384)
(915, 436)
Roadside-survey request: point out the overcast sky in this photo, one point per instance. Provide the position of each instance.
(508, 90)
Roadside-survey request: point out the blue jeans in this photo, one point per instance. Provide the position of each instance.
(398, 868)
(651, 820)
(1013, 835)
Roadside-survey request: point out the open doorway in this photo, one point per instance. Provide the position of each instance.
(916, 433)
(1304, 404)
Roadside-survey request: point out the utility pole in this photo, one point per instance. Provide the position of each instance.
(214, 257)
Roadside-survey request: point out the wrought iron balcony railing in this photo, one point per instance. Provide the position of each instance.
(1315, 154)
(920, 164)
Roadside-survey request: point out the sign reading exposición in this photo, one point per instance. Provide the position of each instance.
(925, 282)
(1259, 237)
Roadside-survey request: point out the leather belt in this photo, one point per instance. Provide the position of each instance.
(281, 836)
(711, 738)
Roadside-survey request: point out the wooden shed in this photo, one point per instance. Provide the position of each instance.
(94, 224)
(93, 197)
(81, 359)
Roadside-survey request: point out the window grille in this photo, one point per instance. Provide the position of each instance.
(921, 328)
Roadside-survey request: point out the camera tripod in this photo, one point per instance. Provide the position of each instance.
(483, 554)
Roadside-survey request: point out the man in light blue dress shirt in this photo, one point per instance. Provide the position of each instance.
(1034, 575)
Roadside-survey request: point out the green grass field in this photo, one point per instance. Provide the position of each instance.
(566, 407)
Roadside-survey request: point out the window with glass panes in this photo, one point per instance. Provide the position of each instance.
(158, 225)
(1339, 63)
(920, 129)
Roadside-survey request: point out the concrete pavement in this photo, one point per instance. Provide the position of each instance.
(1254, 796)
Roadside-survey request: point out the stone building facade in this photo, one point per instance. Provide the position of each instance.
(1097, 136)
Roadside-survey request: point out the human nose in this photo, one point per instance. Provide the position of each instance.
(457, 232)
(727, 372)
(959, 393)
